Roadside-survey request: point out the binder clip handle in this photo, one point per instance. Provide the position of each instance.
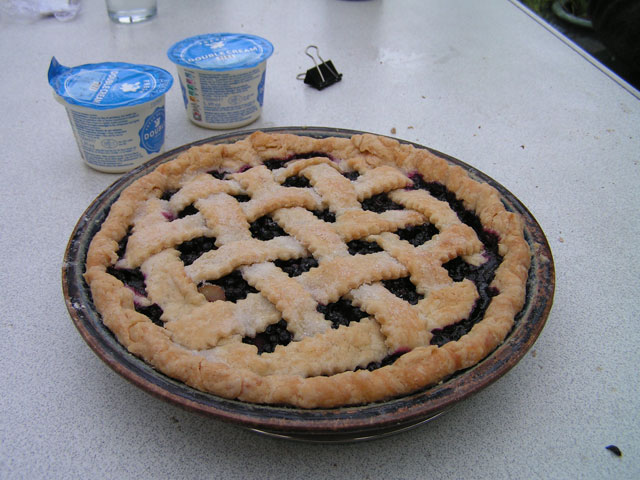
(323, 74)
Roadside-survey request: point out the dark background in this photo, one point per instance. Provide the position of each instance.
(586, 38)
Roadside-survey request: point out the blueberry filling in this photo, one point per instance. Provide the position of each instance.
(342, 312)
(458, 269)
(235, 287)
(380, 203)
(453, 332)
(404, 289)
(265, 228)
(186, 211)
(134, 279)
(302, 156)
(274, 335)
(418, 234)
(362, 247)
(122, 244)
(439, 191)
(325, 215)
(351, 175)
(218, 174)
(388, 360)
(481, 276)
(297, 266)
(242, 198)
(191, 250)
(274, 163)
(297, 181)
(167, 195)
(154, 312)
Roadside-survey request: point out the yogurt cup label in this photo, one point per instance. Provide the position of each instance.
(116, 111)
(222, 77)
(152, 131)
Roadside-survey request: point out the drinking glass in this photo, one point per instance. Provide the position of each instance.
(131, 11)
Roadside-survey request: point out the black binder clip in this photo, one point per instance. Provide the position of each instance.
(322, 75)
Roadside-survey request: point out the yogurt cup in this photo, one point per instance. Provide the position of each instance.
(116, 111)
(222, 77)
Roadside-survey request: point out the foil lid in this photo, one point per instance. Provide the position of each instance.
(220, 51)
(103, 86)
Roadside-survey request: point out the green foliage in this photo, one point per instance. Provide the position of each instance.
(578, 8)
(539, 6)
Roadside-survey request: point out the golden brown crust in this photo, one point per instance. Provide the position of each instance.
(201, 341)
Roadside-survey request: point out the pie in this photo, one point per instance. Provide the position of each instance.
(309, 272)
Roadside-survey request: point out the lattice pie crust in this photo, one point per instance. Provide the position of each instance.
(388, 349)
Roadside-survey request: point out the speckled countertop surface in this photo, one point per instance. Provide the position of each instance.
(480, 81)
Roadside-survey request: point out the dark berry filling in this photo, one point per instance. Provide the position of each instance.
(418, 234)
(458, 269)
(388, 360)
(380, 203)
(265, 228)
(191, 250)
(297, 181)
(154, 312)
(362, 247)
(439, 191)
(242, 198)
(235, 287)
(274, 163)
(453, 332)
(325, 215)
(167, 195)
(132, 278)
(122, 244)
(481, 276)
(403, 288)
(274, 335)
(342, 312)
(297, 266)
(351, 175)
(218, 174)
(188, 210)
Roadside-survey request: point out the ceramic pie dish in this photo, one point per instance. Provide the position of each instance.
(303, 400)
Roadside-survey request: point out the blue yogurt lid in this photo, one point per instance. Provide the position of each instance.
(220, 51)
(103, 86)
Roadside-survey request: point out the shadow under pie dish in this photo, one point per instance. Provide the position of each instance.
(309, 280)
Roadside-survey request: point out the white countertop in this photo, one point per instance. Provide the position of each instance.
(481, 81)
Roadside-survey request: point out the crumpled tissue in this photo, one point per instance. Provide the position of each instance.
(32, 10)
